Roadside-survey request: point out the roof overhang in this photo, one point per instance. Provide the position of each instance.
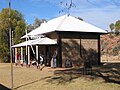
(40, 41)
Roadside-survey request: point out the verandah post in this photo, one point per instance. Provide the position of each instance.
(59, 51)
(99, 52)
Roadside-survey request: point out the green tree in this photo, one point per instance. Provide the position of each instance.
(38, 22)
(30, 27)
(112, 27)
(17, 23)
(117, 27)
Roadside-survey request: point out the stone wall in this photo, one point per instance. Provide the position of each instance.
(76, 53)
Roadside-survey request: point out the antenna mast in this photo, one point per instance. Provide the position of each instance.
(67, 7)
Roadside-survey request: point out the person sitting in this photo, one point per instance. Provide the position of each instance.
(55, 60)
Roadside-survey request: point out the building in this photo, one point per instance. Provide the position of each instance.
(77, 41)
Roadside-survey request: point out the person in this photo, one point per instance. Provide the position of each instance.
(55, 60)
(18, 56)
(48, 59)
(18, 59)
(51, 63)
(21, 63)
(41, 65)
(41, 59)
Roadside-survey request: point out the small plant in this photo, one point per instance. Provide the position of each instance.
(117, 32)
(115, 50)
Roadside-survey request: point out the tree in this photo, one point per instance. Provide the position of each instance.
(36, 24)
(117, 27)
(16, 22)
(30, 27)
(112, 27)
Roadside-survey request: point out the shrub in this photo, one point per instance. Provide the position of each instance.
(116, 32)
(115, 50)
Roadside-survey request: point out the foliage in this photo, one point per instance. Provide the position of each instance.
(110, 46)
(103, 47)
(115, 50)
(16, 22)
(117, 32)
(115, 27)
(36, 24)
(30, 27)
(112, 26)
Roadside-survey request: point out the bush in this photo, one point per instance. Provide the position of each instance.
(115, 50)
(116, 32)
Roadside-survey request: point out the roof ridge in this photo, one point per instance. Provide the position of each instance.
(62, 21)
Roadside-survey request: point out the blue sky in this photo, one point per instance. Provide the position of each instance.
(100, 13)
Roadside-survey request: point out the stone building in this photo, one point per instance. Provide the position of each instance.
(77, 41)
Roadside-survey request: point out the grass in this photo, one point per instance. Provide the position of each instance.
(105, 77)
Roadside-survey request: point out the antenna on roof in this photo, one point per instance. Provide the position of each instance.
(67, 7)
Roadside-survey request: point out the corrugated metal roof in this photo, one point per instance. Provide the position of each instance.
(66, 23)
(40, 41)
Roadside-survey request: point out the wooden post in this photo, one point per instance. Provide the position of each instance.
(59, 51)
(16, 56)
(45, 57)
(28, 55)
(21, 61)
(10, 38)
(21, 53)
(80, 48)
(99, 53)
(37, 53)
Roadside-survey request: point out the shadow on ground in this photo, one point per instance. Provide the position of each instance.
(2, 87)
(31, 82)
(110, 73)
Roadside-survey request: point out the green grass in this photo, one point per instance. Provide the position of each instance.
(106, 77)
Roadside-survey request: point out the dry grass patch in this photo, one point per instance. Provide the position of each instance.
(57, 79)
